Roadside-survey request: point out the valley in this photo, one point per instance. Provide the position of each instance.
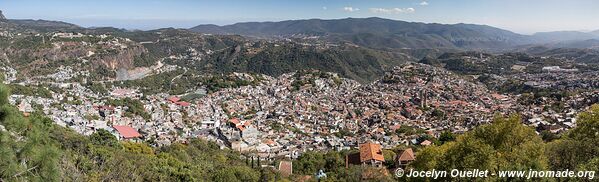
(284, 91)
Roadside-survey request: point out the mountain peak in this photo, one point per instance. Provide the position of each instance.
(2, 17)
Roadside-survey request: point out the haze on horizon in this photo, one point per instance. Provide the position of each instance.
(524, 17)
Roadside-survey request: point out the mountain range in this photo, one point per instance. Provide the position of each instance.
(326, 45)
(393, 34)
(376, 33)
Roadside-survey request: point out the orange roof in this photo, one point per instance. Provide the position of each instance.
(371, 151)
(406, 155)
(234, 121)
(269, 142)
(240, 127)
(174, 99)
(498, 96)
(127, 132)
(426, 143)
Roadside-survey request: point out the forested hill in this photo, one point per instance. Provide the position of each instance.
(379, 33)
(382, 33)
(38, 50)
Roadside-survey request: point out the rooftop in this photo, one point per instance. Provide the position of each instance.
(371, 151)
(127, 132)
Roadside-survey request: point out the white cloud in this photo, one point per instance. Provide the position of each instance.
(324, 8)
(392, 10)
(350, 9)
(423, 3)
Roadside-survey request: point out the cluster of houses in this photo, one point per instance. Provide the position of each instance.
(336, 115)
(369, 154)
(286, 116)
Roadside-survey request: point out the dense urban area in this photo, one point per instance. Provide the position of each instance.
(105, 104)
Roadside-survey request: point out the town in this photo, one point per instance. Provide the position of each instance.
(283, 117)
(247, 91)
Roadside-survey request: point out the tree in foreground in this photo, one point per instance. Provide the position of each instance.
(579, 148)
(506, 144)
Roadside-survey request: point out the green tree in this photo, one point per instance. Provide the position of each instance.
(26, 151)
(506, 144)
(138, 148)
(579, 145)
(446, 136)
(389, 158)
(236, 173)
(105, 138)
(309, 163)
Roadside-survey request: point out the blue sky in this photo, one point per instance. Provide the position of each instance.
(522, 16)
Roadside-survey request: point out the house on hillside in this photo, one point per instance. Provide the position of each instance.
(177, 101)
(126, 133)
(370, 154)
(405, 157)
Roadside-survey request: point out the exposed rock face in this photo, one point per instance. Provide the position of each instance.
(2, 17)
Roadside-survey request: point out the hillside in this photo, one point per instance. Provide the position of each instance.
(589, 56)
(378, 33)
(39, 49)
(361, 64)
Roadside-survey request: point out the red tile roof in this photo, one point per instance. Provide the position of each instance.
(241, 127)
(269, 142)
(406, 155)
(371, 151)
(127, 132)
(426, 143)
(184, 104)
(174, 99)
(234, 121)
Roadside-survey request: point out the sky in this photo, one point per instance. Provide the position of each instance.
(521, 16)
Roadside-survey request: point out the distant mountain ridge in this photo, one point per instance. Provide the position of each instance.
(385, 33)
(46, 25)
(377, 32)
(560, 36)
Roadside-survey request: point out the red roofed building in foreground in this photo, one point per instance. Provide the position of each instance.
(405, 157)
(370, 154)
(126, 132)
